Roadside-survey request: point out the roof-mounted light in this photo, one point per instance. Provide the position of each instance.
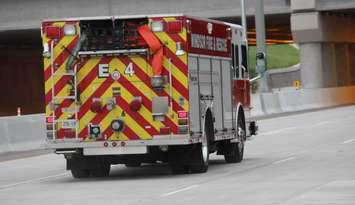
(157, 26)
(69, 30)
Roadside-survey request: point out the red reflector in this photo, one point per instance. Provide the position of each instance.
(182, 114)
(53, 32)
(65, 133)
(174, 26)
(49, 119)
(165, 130)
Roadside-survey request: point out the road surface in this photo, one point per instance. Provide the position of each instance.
(301, 159)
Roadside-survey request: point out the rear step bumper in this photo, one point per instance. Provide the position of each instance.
(156, 141)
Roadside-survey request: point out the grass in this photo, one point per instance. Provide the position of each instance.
(278, 56)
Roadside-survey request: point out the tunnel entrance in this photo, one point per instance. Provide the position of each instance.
(21, 72)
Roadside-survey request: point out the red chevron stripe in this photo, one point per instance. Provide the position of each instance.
(176, 61)
(177, 85)
(86, 106)
(82, 85)
(145, 100)
(142, 75)
(60, 58)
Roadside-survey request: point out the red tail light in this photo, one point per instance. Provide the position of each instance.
(49, 119)
(96, 106)
(182, 114)
(165, 130)
(136, 104)
(53, 32)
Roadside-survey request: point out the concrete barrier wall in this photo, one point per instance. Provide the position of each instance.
(303, 99)
(21, 133)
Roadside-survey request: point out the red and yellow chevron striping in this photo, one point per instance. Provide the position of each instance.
(139, 124)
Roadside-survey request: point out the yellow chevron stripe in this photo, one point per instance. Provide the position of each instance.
(120, 136)
(169, 43)
(169, 19)
(182, 34)
(57, 50)
(175, 71)
(83, 72)
(130, 122)
(181, 77)
(140, 131)
(88, 116)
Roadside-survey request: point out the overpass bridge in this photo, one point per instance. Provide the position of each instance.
(323, 29)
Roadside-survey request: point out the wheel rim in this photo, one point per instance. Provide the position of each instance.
(204, 148)
(241, 134)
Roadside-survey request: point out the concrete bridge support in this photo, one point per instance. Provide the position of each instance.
(327, 44)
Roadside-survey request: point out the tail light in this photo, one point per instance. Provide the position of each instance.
(165, 130)
(182, 114)
(50, 119)
(183, 120)
(136, 104)
(96, 106)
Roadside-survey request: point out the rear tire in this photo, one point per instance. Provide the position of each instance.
(79, 173)
(179, 169)
(201, 151)
(236, 154)
(102, 171)
(235, 150)
(129, 165)
(201, 156)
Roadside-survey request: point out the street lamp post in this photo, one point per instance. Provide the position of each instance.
(261, 63)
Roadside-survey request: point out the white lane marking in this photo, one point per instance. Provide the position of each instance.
(322, 123)
(348, 141)
(284, 160)
(277, 131)
(179, 190)
(42, 179)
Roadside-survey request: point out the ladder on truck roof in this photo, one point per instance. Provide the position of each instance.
(65, 123)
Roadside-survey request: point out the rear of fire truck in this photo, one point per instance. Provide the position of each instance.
(116, 92)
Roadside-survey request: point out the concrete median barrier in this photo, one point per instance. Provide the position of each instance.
(22, 133)
(302, 99)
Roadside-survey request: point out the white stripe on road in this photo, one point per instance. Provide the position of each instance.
(179, 190)
(284, 160)
(42, 179)
(348, 141)
(277, 131)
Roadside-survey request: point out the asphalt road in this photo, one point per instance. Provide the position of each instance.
(307, 158)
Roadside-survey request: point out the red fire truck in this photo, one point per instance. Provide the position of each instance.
(145, 89)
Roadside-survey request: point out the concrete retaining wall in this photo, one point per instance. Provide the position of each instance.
(21, 133)
(284, 77)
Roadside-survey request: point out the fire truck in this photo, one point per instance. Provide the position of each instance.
(145, 89)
